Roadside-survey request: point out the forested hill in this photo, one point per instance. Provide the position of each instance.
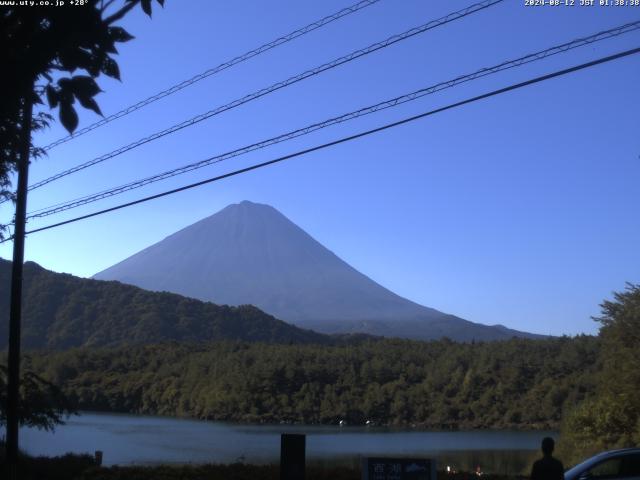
(511, 384)
(62, 311)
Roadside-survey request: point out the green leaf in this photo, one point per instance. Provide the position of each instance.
(66, 91)
(110, 68)
(90, 103)
(68, 117)
(146, 6)
(119, 34)
(85, 86)
(94, 66)
(75, 57)
(64, 82)
(110, 47)
(84, 89)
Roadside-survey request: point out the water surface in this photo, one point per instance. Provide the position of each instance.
(133, 439)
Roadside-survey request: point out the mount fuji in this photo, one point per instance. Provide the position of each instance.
(250, 253)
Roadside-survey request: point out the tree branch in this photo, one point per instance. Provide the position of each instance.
(121, 13)
(104, 6)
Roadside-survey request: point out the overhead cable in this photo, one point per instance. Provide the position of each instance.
(212, 71)
(516, 86)
(276, 86)
(532, 57)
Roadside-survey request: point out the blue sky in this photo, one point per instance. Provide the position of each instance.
(519, 210)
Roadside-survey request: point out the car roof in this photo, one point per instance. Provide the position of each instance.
(589, 462)
(618, 451)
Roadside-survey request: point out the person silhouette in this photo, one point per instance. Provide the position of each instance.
(548, 467)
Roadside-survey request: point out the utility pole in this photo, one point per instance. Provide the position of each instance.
(15, 311)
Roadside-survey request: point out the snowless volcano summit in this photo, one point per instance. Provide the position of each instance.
(250, 253)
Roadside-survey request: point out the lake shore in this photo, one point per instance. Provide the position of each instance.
(83, 467)
(130, 440)
(247, 472)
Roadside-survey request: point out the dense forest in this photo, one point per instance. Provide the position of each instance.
(158, 353)
(62, 311)
(512, 384)
(610, 416)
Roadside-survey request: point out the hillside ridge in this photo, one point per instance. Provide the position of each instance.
(62, 311)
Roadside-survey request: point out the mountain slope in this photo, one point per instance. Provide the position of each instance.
(252, 254)
(63, 311)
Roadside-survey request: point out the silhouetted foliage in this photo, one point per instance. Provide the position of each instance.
(42, 404)
(42, 49)
(610, 417)
(510, 384)
(64, 467)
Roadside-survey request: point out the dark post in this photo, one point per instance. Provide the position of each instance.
(15, 309)
(292, 457)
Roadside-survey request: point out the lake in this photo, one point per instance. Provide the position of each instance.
(132, 439)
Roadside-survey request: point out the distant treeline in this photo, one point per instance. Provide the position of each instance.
(441, 384)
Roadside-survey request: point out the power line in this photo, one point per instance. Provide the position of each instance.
(539, 55)
(212, 71)
(247, 98)
(349, 138)
(276, 86)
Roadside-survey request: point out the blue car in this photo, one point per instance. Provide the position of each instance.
(612, 465)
